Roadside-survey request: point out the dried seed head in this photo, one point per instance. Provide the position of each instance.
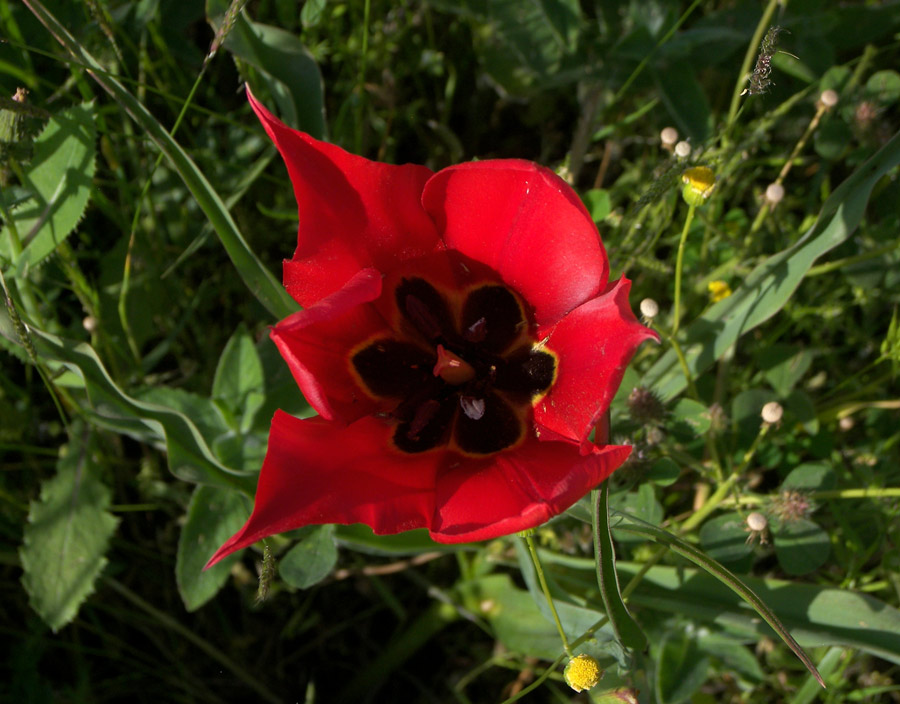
(772, 412)
(774, 194)
(683, 149)
(846, 423)
(649, 308)
(645, 406)
(89, 323)
(791, 506)
(829, 98)
(582, 672)
(668, 137)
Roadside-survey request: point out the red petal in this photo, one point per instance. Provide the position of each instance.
(594, 344)
(517, 490)
(319, 472)
(354, 213)
(526, 223)
(316, 343)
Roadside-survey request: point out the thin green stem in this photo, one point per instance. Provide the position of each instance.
(682, 362)
(866, 493)
(679, 265)
(540, 573)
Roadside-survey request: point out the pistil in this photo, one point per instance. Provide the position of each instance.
(452, 368)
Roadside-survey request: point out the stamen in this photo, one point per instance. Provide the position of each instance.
(452, 368)
(472, 407)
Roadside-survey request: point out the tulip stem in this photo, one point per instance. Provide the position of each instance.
(540, 574)
(679, 265)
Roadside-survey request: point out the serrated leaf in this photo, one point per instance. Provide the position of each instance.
(66, 537)
(239, 371)
(59, 181)
(311, 559)
(214, 515)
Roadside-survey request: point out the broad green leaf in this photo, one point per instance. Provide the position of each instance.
(67, 535)
(239, 371)
(517, 621)
(884, 86)
(732, 653)
(684, 98)
(812, 476)
(768, 287)
(598, 203)
(311, 559)
(801, 546)
(642, 504)
(286, 69)
(664, 472)
(681, 667)
(691, 417)
(724, 538)
(626, 628)
(799, 404)
(412, 542)
(189, 455)
(262, 284)
(59, 179)
(213, 516)
(783, 366)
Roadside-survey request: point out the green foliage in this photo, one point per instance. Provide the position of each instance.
(67, 535)
(58, 182)
(150, 218)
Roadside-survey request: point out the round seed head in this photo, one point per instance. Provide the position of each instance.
(683, 149)
(774, 193)
(772, 412)
(829, 98)
(649, 308)
(668, 137)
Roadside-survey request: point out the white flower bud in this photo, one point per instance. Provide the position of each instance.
(772, 412)
(829, 98)
(757, 521)
(774, 194)
(649, 308)
(668, 137)
(89, 323)
(683, 149)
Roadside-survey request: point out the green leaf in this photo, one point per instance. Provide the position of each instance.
(691, 418)
(598, 203)
(642, 504)
(812, 476)
(664, 472)
(67, 535)
(412, 542)
(724, 538)
(626, 628)
(59, 179)
(286, 69)
(312, 12)
(189, 455)
(213, 516)
(768, 287)
(801, 546)
(239, 371)
(884, 86)
(681, 667)
(258, 279)
(311, 559)
(783, 366)
(684, 98)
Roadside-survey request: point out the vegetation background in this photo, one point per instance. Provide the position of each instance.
(135, 184)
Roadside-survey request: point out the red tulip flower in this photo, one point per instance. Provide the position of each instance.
(459, 340)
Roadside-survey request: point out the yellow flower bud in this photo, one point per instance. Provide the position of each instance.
(699, 182)
(718, 290)
(582, 673)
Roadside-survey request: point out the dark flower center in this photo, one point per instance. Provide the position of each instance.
(463, 376)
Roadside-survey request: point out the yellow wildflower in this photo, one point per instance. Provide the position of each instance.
(718, 290)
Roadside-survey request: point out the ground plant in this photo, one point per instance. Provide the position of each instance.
(215, 464)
